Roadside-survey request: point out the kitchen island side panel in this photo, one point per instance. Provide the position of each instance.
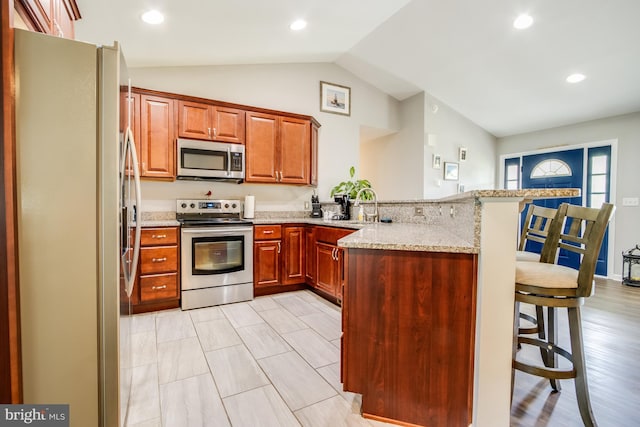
(409, 328)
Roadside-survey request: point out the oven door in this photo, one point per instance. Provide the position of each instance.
(216, 256)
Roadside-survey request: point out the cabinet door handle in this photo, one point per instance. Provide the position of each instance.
(159, 236)
(268, 232)
(278, 247)
(280, 175)
(215, 132)
(333, 254)
(209, 132)
(159, 259)
(155, 288)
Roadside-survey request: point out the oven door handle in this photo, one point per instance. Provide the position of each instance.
(219, 231)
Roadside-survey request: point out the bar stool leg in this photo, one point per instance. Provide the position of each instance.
(552, 358)
(577, 351)
(514, 345)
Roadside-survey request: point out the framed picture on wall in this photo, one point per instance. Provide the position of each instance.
(462, 154)
(450, 171)
(335, 99)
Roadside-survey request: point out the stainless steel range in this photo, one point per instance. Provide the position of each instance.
(217, 253)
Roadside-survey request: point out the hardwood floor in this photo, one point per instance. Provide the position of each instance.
(611, 326)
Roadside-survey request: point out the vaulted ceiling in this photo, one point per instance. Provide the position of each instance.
(465, 53)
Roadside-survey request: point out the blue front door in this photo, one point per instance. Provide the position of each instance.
(561, 169)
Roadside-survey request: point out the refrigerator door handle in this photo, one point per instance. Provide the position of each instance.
(130, 146)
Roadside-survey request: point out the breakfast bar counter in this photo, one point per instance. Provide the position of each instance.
(428, 311)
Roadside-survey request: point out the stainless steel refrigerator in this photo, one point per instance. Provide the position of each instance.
(74, 219)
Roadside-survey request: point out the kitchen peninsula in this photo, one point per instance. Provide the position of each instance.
(428, 312)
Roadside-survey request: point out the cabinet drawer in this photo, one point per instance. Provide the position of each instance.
(159, 236)
(161, 286)
(331, 235)
(159, 260)
(267, 232)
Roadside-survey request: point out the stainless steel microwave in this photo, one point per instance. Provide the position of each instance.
(205, 160)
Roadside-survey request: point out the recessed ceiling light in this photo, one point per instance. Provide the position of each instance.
(576, 78)
(523, 21)
(153, 17)
(298, 25)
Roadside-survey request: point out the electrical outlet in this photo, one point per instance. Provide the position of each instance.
(306, 206)
(629, 201)
(418, 211)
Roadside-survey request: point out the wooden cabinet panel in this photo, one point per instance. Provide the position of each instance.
(266, 262)
(267, 232)
(159, 236)
(409, 350)
(158, 287)
(157, 139)
(158, 259)
(310, 255)
(294, 150)
(213, 123)
(261, 152)
(194, 120)
(327, 268)
(130, 117)
(313, 164)
(158, 280)
(228, 124)
(54, 17)
(293, 260)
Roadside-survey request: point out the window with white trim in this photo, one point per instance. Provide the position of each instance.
(550, 168)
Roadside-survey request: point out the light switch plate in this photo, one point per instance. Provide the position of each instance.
(630, 201)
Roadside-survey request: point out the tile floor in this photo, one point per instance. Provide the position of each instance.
(273, 361)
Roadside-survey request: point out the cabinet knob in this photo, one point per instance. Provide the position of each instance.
(159, 259)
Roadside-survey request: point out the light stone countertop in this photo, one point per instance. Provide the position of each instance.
(356, 225)
(408, 237)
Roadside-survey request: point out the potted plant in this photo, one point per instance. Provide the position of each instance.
(352, 187)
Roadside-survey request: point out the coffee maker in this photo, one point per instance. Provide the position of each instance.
(344, 212)
(316, 211)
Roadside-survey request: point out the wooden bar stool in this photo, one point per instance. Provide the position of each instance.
(576, 229)
(535, 229)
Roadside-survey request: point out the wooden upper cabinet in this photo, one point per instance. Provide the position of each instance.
(261, 152)
(157, 137)
(209, 122)
(295, 149)
(228, 125)
(278, 149)
(55, 17)
(313, 163)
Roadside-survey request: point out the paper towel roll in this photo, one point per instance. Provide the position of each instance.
(249, 206)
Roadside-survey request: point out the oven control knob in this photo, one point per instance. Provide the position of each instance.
(192, 205)
(226, 205)
(233, 206)
(184, 205)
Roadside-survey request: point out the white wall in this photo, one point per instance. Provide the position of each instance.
(285, 87)
(395, 163)
(447, 131)
(625, 129)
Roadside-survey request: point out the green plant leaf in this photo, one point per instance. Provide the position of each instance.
(352, 171)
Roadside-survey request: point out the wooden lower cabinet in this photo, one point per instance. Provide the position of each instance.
(278, 255)
(266, 262)
(329, 259)
(157, 284)
(408, 335)
(293, 264)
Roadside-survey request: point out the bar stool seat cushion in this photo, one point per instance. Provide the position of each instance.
(545, 275)
(527, 256)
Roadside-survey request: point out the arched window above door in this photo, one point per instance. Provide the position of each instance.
(549, 168)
